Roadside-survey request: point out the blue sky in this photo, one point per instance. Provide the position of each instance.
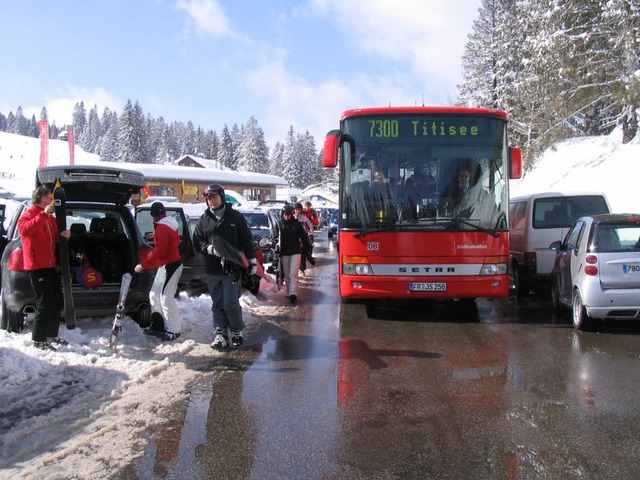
(217, 62)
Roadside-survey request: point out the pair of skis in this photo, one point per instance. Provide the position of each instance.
(60, 207)
(116, 327)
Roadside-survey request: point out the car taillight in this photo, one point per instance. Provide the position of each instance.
(591, 270)
(15, 260)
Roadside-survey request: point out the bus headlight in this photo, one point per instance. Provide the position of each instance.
(352, 265)
(496, 265)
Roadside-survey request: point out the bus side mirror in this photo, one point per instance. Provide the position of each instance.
(330, 154)
(515, 163)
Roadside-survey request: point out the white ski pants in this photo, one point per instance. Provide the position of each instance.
(162, 297)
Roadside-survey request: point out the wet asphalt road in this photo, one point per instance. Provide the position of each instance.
(445, 390)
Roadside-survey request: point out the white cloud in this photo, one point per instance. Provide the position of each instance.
(60, 107)
(290, 100)
(428, 36)
(208, 17)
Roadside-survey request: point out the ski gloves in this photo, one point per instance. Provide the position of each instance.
(253, 266)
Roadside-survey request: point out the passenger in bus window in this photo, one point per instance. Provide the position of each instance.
(454, 194)
(382, 197)
(421, 185)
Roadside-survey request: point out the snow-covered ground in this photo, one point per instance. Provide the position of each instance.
(66, 414)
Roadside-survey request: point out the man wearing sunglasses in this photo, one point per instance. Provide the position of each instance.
(223, 276)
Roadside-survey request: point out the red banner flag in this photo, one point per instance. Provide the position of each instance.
(72, 145)
(43, 129)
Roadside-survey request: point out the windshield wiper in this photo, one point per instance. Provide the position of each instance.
(456, 222)
(388, 228)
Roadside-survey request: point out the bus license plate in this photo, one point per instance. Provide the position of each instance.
(427, 287)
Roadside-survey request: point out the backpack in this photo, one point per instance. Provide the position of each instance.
(313, 216)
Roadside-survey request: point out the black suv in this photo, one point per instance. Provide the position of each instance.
(103, 231)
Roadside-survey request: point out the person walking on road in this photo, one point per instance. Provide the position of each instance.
(168, 261)
(39, 231)
(223, 276)
(293, 241)
(308, 228)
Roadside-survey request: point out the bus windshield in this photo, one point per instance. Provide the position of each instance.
(424, 171)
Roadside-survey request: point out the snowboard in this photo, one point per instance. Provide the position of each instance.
(59, 203)
(232, 254)
(116, 327)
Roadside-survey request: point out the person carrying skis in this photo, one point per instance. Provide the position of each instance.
(292, 242)
(167, 259)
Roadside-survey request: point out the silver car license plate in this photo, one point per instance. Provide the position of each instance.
(632, 269)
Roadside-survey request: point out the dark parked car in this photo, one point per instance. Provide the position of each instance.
(333, 225)
(260, 223)
(103, 231)
(596, 272)
(9, 212)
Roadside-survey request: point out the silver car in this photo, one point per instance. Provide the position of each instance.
(597, 269)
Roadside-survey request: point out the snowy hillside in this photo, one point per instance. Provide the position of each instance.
(591, 163)
(20, 157)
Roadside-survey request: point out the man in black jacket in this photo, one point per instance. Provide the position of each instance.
(223, 276)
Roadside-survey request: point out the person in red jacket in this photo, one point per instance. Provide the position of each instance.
(167, 259)
(39, 232)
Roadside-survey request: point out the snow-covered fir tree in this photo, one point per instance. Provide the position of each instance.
(276, 159)
(291, 167)
(226, 150)
(253, 154)
(308, 158)
(92, 132)
(79, 121)
(131, 135)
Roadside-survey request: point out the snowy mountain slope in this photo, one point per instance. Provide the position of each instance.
(589, 163)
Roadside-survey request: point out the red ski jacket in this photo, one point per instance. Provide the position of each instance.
(39, 233)
(167, 244)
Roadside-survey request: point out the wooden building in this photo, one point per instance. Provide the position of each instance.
(188, 182)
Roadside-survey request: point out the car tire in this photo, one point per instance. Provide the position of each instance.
(11, 321)
(555, 298)
(142, 317)
(520, 283)
(581, 321)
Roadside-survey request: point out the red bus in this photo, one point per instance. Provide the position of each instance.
(408, 226)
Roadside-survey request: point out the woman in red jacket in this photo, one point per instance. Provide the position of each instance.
(39, 232)
(166, 258)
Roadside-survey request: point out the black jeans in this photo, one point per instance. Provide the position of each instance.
(46, 285)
